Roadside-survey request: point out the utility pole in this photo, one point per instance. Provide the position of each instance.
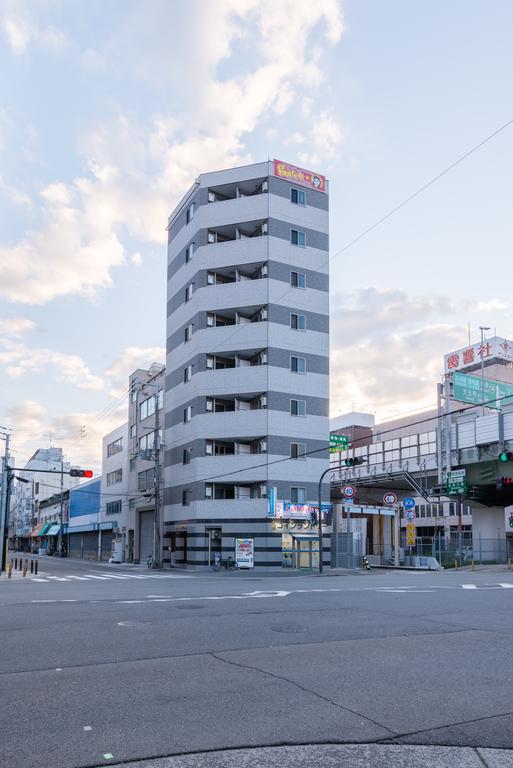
(61, 507)
(4, 506)
(483, 328)
(156, 520)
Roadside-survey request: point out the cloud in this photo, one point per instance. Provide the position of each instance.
(135, 172)
(15, 326)
(19, 360)
(128, 361)
(21, 28)
(484, 307)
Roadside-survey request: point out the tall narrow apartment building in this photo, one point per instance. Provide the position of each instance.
(247, 371)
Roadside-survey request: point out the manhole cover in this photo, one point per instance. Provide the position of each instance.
(288, 628)
(133, 623)
(188, 607)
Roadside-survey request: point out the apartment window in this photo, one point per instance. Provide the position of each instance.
(160, 399)
(297, 322)
(297, 237)
(298, 279)
(189, 214)
(297, 450)
(114, 477)
(36, 488)
(147, 408)
(188, 292)
(133, 430)
(131, 504)
(188, 252)
(187, 374)
(115, 447)
(146, 480)
(298, 364)
(133, 395)
(298, 407)
(297, 196)
(188, 332)
(113, 507)
(452, 508)
(133, 462)
(186, 497)
(297, 495)
(147, 442)
(186, 458)
(187, 414)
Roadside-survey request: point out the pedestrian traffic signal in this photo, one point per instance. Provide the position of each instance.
(80, 472)
(354, 462)
(506, 456)
(502, 481)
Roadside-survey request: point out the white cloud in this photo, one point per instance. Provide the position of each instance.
(136, 259)
(484, 307)
(21, 28)
(16, 33)
(128, 361)
(15, 326)
(137, 172)
(19, 360)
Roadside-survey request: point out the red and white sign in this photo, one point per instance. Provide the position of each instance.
(299, 176)
(390, 498)
(495, 348)
(348, 491)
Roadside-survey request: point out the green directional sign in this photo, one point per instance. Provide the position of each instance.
(456, 482)
(338, 443)
(470, 389)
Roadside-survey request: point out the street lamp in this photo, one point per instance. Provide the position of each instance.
(483, 328)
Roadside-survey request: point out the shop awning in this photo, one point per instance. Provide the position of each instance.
(43, 529)
(53, 531)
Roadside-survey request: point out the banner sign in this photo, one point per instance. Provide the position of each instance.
(496, 348)
(244, 553)
(287, 509)
(473, 389)
(299, 176)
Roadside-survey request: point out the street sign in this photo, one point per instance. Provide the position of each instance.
(348, 491)
(410, 514)
(474, 389)
(390, 498)
(456, 482)
(409, 503)
(410, 535)
(338, 443)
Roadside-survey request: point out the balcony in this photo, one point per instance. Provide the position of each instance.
(218, 448)
(242, 231)
(236, 190)
(236, 274)
(229, 404)
(242, 316)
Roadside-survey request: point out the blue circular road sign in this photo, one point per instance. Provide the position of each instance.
(409, 503)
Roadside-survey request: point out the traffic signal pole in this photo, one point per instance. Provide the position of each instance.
(4, 507)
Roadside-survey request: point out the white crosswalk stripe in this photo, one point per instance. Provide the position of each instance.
(45, 578)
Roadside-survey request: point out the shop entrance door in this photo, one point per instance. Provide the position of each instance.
(306, 551)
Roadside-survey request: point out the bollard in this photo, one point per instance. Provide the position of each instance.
(37, 566)
(15, 563)
(31, 566)
(455, 564)
(25, 566)
(9, 570)
(509, 563)
(473, 566)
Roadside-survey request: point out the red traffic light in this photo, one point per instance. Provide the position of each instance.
(74, 472)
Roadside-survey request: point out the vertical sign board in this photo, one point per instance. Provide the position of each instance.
(410, 535)
(456, 482)
(244, 553)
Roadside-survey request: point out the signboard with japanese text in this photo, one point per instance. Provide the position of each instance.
(244, 553)
(299, 175)
(456, 481)
(496, 348)
(287, 509)
(473, 389)
(338, 443)
(410, 535)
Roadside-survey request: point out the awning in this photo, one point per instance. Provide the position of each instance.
(43, 529)
(304, 536)
(53, 531)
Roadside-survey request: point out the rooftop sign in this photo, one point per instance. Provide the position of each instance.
(494, 349)
(299, 176)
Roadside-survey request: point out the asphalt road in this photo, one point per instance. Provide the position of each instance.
(102, 670)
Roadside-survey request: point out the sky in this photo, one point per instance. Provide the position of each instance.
(109, 111)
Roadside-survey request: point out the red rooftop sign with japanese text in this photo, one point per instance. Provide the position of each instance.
(299, 176)
(495, 348)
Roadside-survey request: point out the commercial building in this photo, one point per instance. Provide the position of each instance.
(247, 374)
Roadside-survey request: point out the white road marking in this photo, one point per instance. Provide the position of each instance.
(37, 579)
(468, 586)
(506, 586)
(79, 578)
(57, 578)
(87, 728)
(90, 576)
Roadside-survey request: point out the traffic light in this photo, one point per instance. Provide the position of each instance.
(80, 472)
(502, 481)
(506, 456)
(354, 462)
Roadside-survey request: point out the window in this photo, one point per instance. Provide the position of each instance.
(298, 364)
(187, 374)
(115, 447)
(187, 414)
(297, 450)
(113, 507)
(297, 237)
(147, 442)
(146, 480)
(298, 279)
(188, 292)
(186, 459)
(114, 477)
(186, 497)
(298, 407)
(188, 252)
(297, 495)
(133, 462)
(452, 508)
(189, 215)
(188, 332)
(131, 504)
(147, 408)
(36, 488)
(297, 322)
(133, 430)
(133, 394)
(297, 196)
(160, 399)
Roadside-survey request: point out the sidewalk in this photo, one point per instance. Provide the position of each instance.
(334, 756)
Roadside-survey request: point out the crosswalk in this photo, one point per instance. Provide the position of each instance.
(45, 578)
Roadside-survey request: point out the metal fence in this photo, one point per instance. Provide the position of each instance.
(461, 548)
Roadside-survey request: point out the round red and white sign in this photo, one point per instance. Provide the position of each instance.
(348, 491)
(390, 498)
